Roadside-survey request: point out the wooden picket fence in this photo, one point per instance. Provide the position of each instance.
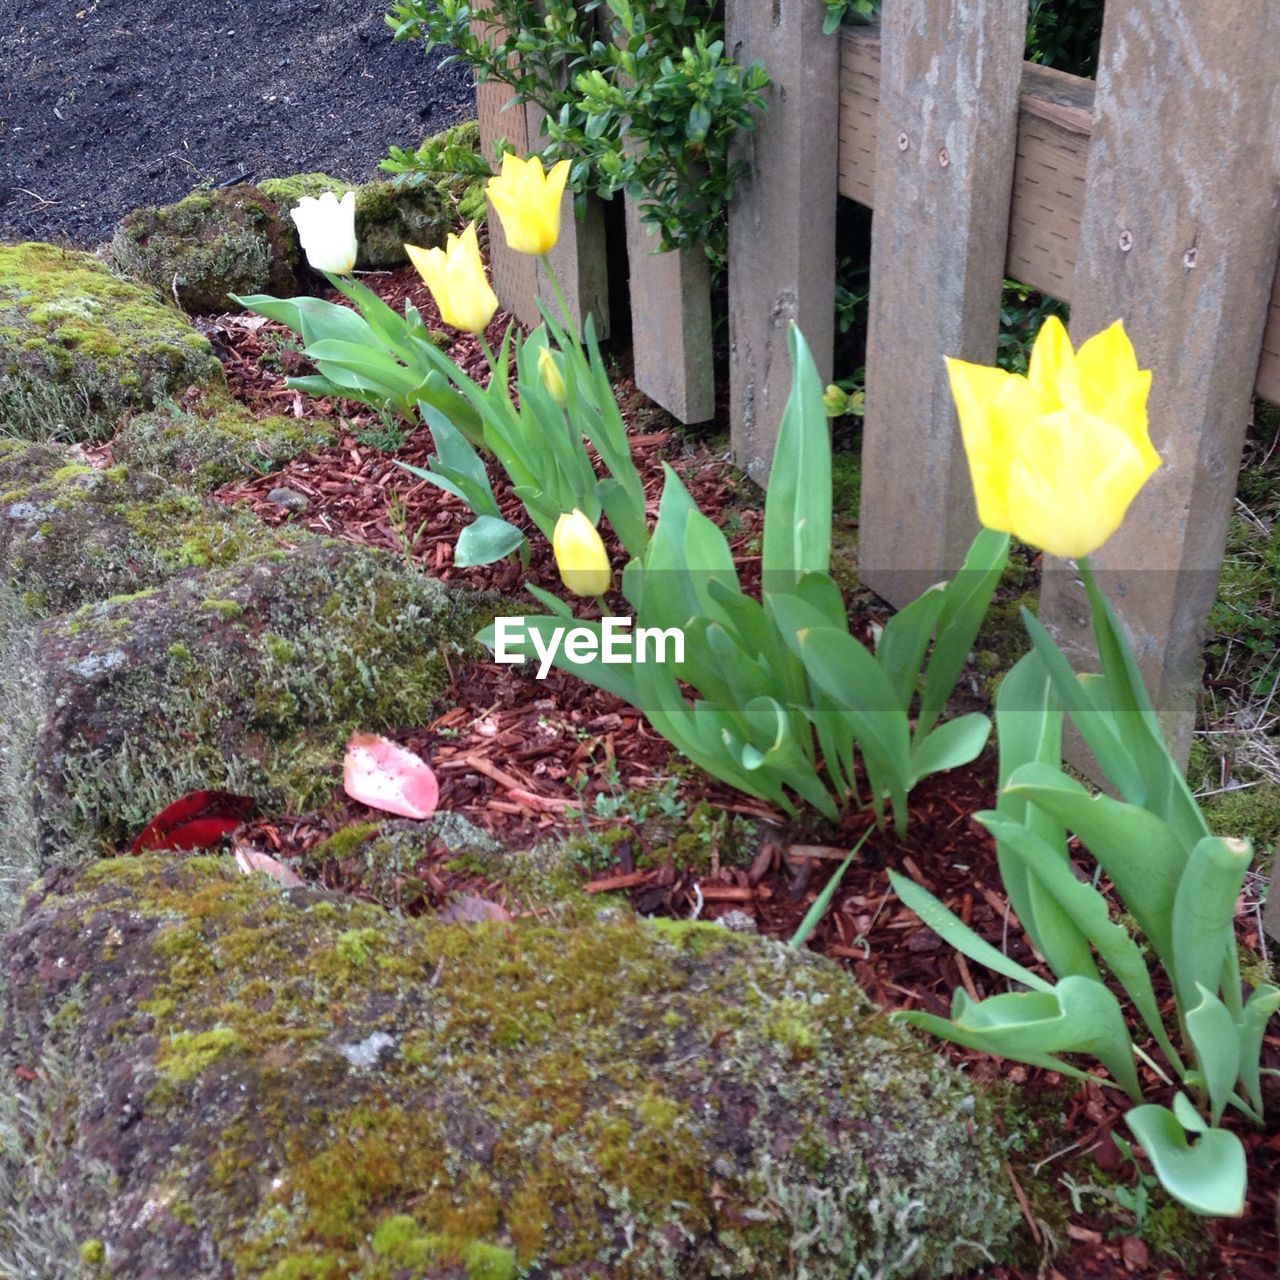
(1150, 194)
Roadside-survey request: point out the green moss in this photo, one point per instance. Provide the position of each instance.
(211, 440)
(846, 484)
(79, 346)
(226, 610)
(92, 1252)
(286, 192)
(76, 534)
(263, 669)
(188, 1053)
(615, 1100)
(391, 215)
(1248, 812)
(208, 246)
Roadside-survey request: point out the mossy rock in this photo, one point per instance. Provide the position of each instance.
(239, 1081)
(210, 245)
(247, 678)
(79, 345)
(70, 534)
(390, 215)
(209, 440)
(286, 192)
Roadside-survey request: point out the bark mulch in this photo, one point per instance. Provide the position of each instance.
(525, 760)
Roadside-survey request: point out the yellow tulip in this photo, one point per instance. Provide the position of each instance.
(552, 378)
(580, 555)
(527, 200)
(455, 275)
(1058, 456)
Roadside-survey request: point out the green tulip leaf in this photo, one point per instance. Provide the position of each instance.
(950, 745)
(1209, 1177)
(1141, 853)
(1215, 1036)
(1204, 940)
(1262, 1003)
(486, 539)
(905, 640)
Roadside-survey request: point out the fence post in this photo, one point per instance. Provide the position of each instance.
(1179, 237)
(515, 278)
(579, 257)
(949, 82)
(782, 217)
(670, 322)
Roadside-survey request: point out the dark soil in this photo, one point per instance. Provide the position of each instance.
(106, 106)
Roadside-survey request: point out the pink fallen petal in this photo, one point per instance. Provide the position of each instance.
(251, 860)
(386, 776)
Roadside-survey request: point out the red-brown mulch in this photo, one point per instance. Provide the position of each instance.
(520, 758)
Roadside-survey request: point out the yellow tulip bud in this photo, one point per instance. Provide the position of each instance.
(835, 401)
(580, 555)
(527, 201)
(1058, 456)
(455, 275)
(327, 231)
(552, 378)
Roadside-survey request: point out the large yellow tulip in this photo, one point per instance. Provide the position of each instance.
(527, 200)
(1057, 456)
(455, 275)
(580, 555)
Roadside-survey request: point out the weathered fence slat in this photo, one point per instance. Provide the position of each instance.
(944, 171)
(1055, 123)
(782, 218)
(670, 322)
(1179, 236)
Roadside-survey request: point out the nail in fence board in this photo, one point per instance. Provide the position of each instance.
(945, 157)
(1179, 236)
(1054, 128)
(783, 215)
(670, 322)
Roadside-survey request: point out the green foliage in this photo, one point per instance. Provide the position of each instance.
(639, 94)
(787, 700)
(1022, 313)
(540, 445)
(1173, 879)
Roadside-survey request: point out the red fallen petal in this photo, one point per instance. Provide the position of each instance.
(197, 821)
(386, 776)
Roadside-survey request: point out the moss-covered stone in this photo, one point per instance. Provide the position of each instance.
(70, 534)
(209, 245)
(286, 192)
(78, 346)
(600, 1101)
(247, 678)
(391, 215)
(209, 440)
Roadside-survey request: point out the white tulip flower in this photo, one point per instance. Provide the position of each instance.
(327, 229)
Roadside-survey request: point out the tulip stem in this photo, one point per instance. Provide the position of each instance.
(570, 328)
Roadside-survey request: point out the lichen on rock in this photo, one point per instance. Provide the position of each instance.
(210, 439)
(294, 1086)
(79, 345)
(247, 678)
(209, 245)
(71, 534)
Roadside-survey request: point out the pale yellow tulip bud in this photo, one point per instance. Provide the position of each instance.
(580, 555)
(527, 200)
(327, 231)
(552, 378)
(455, 275)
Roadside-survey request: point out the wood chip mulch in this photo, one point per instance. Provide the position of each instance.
(525, 760)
